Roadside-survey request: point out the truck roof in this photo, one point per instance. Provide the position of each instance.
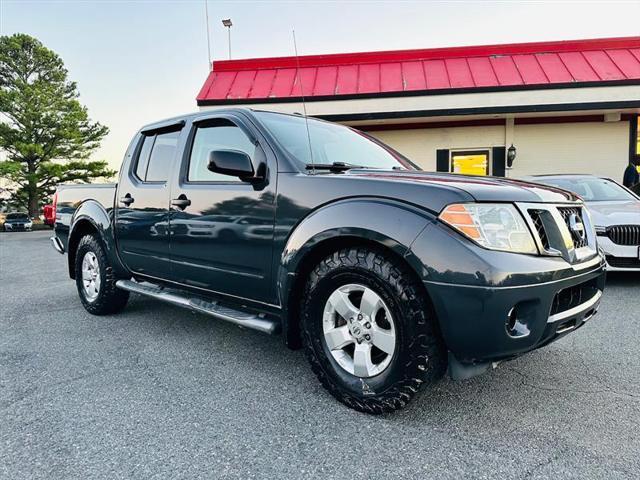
(195, 115)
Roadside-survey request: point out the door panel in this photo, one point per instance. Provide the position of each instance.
(223, 239)
(142, 214)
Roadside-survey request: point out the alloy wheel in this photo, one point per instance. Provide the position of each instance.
(91, 276)
(359, 330)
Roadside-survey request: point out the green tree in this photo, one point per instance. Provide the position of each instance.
(46, 135)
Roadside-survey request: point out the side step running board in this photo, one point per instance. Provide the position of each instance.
(177, 297)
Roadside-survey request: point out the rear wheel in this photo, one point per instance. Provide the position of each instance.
(369, 330)
(95, 280)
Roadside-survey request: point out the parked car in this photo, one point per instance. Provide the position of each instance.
(615, 211)
(17, 222)
(386, 275)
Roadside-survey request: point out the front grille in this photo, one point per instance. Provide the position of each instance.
(536, 218)
(561, 230)
(624, 234)
(623, 262)
(571, 297)
(567, 213)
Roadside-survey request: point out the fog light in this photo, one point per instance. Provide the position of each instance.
(512, 319)
(515, 327)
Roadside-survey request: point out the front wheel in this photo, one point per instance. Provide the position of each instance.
(369, 330)
(95, 280)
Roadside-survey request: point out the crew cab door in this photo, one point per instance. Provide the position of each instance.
(222, 227)
(142, 203)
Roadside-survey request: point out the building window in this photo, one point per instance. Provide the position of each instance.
(470, 162)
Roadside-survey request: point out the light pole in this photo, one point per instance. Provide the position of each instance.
(228, 23)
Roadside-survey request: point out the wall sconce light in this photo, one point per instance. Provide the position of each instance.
(511, 156)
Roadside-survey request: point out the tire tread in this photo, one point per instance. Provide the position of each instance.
(111, 299)
(426, 351)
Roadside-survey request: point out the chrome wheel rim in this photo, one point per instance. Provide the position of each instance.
(90, 276)
(359, 330)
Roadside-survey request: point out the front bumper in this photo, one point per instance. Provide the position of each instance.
(17, 227)
(490, 324)
(494, 305)
(620, 258)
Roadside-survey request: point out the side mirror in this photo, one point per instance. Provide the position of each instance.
(231, 162)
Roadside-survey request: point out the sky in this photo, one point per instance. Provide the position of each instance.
(136, 62)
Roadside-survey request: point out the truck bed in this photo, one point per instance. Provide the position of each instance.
(71, 196)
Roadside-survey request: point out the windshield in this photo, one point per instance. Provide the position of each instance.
(330, 143)
(592, 189)
(17, 216)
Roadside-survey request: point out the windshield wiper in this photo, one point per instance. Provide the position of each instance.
(333, 167)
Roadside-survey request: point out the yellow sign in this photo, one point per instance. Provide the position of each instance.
(474, 164)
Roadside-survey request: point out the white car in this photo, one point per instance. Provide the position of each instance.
(615, 212)
(17, 222)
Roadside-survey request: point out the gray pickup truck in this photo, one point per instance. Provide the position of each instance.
(386, 275)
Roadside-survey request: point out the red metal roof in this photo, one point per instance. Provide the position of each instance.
(446, 70)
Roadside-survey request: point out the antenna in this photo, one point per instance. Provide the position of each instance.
(304, 105)
(206, 17)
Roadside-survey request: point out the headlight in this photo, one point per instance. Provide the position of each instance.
(498, 226)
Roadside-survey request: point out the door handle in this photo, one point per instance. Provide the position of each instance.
(127, 199)
(181, 202)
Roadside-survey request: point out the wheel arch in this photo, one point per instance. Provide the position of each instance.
(386, 226)
(92, 218)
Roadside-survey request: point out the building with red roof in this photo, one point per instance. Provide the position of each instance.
(567, 107)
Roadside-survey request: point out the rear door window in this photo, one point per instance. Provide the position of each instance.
(143, 156)
(156, 156)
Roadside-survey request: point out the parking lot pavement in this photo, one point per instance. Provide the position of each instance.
(158, 392)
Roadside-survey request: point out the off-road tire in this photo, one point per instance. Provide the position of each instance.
(420, 357)
(110, 299)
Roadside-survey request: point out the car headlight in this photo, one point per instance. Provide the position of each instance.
(498, 226)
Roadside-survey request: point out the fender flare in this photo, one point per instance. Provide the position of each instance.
(388, 223)
(93, 213)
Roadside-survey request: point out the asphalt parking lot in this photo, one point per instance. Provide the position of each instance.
(158, 392)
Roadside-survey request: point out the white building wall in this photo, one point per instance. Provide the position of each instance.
(420, 145)
(599, 148)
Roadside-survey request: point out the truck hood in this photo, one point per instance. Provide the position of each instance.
(482, 189)
(615, 213)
